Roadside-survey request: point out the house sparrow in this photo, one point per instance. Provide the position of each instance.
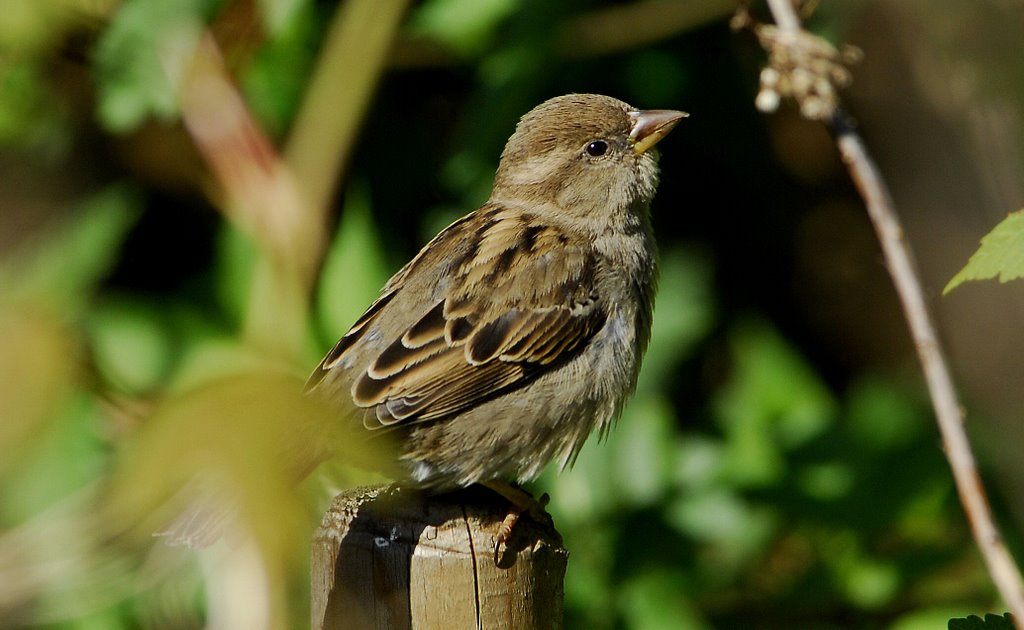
(519, 329)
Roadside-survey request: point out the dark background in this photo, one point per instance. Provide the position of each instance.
(779, 466)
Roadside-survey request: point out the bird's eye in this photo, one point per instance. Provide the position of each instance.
(597, 148)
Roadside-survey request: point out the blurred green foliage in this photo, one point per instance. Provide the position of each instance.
(746, 485)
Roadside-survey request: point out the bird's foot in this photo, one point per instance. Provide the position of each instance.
(521, 501)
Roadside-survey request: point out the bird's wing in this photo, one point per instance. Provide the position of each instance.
(512, 311)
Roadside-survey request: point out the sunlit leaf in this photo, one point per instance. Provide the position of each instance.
(239, 443)
(1001, 254)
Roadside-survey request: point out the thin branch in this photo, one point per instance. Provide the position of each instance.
(875, 193)
(258, 194)
(353, 58)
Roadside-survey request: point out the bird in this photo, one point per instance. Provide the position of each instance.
(519, 330)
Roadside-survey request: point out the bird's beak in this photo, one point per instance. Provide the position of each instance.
(651, 126)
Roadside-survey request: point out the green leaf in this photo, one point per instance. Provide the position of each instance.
(774, 402)
(684, 313)
(277, 14)
(34, 28)
(37, 369)
(233, 278)
(141, 54)
(67, 262)
(354, 269)
(1001, 254)
(247, 438)
(276, 79)
(30, 115)
(882, 416)
(653, 600)
(466, 26)
(643, 451)
(66, 455)
(131, 342)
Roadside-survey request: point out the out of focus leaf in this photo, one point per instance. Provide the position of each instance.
(698, 462)
(734, 528)
(772, 403)
(589, 580)
(1001, 254)
(66, 263)
(278, 14)
(881, 416)
(237, 255)
(141, 55)
(827, 481)
(243, 441)
(683, 315)
(586, 492)
(276, 80)
(28, 115)
(131, 344)
(465, 26)
(643, 451)
(654, 601)
(38, 367)
(214, 358)
(921, 519)
(31, 27)
(867, 582)
(354, 270)
(67, 454)
(633, 468)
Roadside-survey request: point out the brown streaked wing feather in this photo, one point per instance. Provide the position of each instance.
(441, 378)
(469, 348)
(438, 398)
(347, 341)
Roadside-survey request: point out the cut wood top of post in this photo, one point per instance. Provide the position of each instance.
(392, 557)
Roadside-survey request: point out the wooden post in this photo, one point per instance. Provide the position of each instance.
(387, 557)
